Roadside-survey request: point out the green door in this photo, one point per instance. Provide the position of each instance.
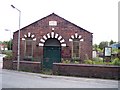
(51, 55)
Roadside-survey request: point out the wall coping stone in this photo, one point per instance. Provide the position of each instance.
(87, 65)
(27, 62)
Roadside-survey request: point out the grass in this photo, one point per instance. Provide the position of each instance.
(47, 71)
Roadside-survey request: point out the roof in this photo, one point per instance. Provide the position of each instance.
(57, 16)
(115, 45)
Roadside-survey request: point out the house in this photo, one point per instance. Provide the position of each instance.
(3, 47)
(51, 39)
(115, 45)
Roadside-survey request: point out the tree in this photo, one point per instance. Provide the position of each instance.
(95, 46)
(111, 42)
(8, 43)
(103, 44)
(0, 42)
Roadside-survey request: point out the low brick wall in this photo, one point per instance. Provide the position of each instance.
(7, 63)
(83, 70)
(29, 66)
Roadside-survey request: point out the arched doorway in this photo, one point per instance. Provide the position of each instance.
(51, 52)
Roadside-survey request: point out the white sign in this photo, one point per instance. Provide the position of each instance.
(52, 23)
(108, 51)
(94, 54)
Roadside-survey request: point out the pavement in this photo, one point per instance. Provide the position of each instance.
(68, 77)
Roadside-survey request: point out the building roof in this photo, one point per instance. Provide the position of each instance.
(115, 45)
(57, 16)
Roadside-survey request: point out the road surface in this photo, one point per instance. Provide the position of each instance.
(15, 79)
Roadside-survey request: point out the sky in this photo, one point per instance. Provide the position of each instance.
(97, 16)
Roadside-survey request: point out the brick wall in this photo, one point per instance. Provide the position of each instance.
(28, 66)
(7, 63)
(83, 70)
(63, 28)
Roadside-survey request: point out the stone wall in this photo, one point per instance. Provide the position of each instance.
(83, 70)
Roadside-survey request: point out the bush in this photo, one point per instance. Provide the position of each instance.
(98, 60)
(66, 61)
(89, 62)
(8, 54)
(76, 62)
(116, 61)
(46, 71)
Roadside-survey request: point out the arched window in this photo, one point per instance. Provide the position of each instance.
(75, 48)
(28, 39)
(75, 40)
(28, 47)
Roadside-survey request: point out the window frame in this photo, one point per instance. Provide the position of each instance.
(73, 57)
(25, 52)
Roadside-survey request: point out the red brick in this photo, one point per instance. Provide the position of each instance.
(63, 28)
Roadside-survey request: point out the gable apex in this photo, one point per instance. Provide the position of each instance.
(53, 14)
(70, 22)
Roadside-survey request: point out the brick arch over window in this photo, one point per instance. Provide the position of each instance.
(52, 35)
(28, 39)
(29, 35)
(75, 39)
(76, 36)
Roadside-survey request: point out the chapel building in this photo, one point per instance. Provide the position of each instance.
(51, 40)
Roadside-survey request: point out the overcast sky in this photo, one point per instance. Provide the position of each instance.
(97, 16)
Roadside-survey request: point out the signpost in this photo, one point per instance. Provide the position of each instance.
(107, 54)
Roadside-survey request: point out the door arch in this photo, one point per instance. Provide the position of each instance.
(52, 42)
(51, 52)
